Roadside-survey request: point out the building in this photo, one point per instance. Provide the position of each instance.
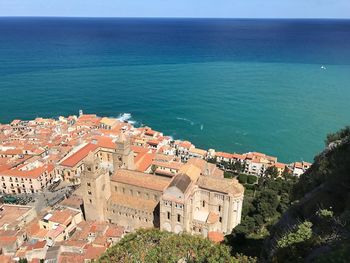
(298, 168)
(13, 219)
(29, 178)
(55, 226)
(200, 204)
(197, 199)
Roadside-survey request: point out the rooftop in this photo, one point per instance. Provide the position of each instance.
(149, 181)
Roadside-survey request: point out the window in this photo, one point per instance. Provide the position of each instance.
(203, 203)
(178, 218)
(168, 215)
(90, 201)
(116, 188)
(219, 208)
(89, 193)
(88, 184)
(220, 219)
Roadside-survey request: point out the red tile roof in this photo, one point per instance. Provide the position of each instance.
(216, 237)
(34, 173)
(224, 155)
(75, 158)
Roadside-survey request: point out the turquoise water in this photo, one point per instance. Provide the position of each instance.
(260, 95)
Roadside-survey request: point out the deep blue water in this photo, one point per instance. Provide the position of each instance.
(233, 85)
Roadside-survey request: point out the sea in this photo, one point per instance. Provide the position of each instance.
(235, 85)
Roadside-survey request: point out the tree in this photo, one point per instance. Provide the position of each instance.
(286, 174)
(246, 227)
(252, 179)
(242, 178)
(339, 135)
(271, 172)
(153, 245)
(302, 233)
(212, 160)
(228, 174)
(237, 166)
(284, 203)
(266, 204)
(154, 168)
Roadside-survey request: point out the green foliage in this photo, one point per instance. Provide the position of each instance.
(238, 167)
(339, 135)
(266, 204)
(242, 178)
(286, 174)
(154, 168)
(228, 174)
(284, 203)
(338, 254)
(324, 213)
(331, 168)
(252, 179)
(302, 233)
(152, 245)
(321, 196)
(271, 172)
(212, 160)
(262, 207)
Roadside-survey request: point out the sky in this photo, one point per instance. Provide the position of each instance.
(179, 8)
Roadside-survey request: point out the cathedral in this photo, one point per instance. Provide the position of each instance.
(197, 200)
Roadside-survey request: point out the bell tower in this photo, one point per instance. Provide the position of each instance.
(123, 157)
(95, 184)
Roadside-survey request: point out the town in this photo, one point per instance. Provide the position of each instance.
(74, 186)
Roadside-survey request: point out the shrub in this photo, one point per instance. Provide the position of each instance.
(302, 233)
(153, 245)
(228, 175)
(252, 179)
(242, 178)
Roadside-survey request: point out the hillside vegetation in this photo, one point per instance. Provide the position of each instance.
(153, 245)
(283, 220)
(316, 228)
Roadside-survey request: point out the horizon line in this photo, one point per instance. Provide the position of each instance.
(179, 17)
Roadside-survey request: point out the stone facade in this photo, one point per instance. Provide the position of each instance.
(196, 200)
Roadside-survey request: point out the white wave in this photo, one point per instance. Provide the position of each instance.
(202, 127)
(186, 120)
(126, 117)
